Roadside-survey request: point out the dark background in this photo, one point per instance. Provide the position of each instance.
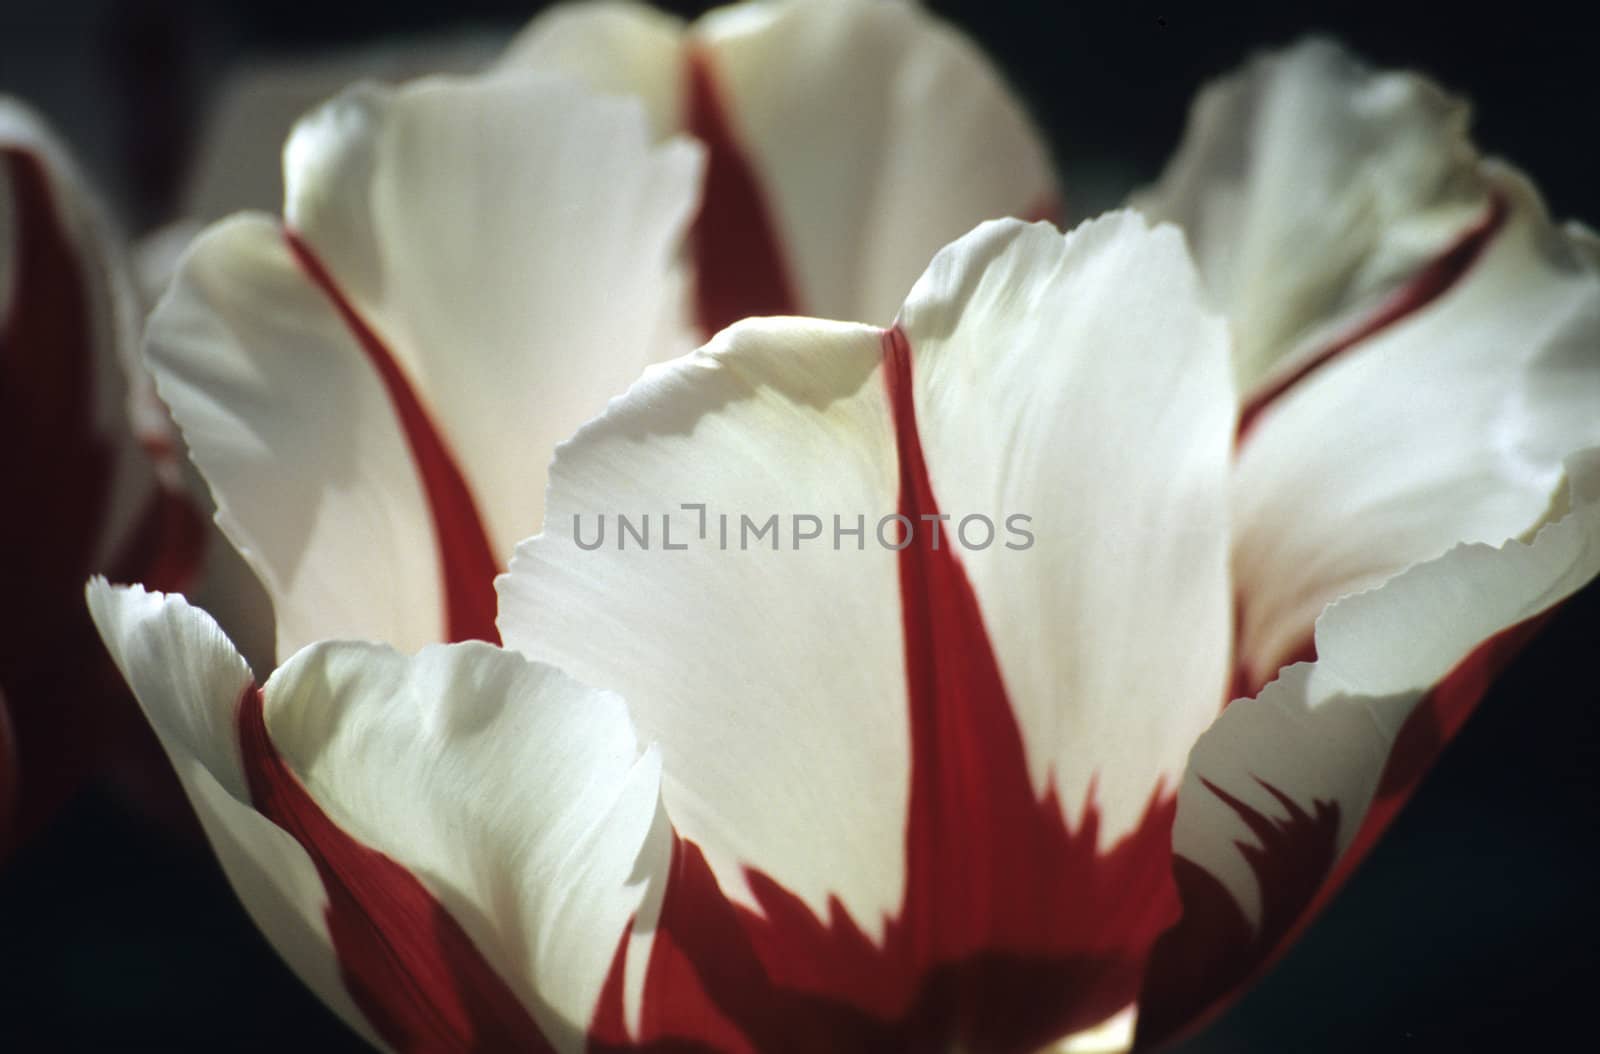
(1471, 928)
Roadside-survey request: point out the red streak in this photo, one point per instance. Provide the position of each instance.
(467, 566)
(1214, 954)
(57, 467)
(410, 967)
(1245, 683)
(990, 865)
(70, 713)
(740, 268)
(1013, 930)
(1432, 282)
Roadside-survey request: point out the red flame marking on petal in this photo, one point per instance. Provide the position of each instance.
(1246, 684)
(740, 264)
(1013, 929)
(1214, 950)
(1432, 282)
(467, 567)
(1213, 954)
(410, 967)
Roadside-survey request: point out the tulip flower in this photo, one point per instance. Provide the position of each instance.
(89, 465)
(843, 798)
(855, 815)
(934, 761)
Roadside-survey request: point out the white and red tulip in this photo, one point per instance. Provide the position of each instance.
(834, 796)
(90, 471)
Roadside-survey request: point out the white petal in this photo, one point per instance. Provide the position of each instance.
(773, 681)
(1450, 425)
(1081, 383)
(293, 430)
(1310, 188)
(156, 257)
(1323, 732)
(501, 239)
(880, 134)
(225, 585)
(189, 679)
(516, 797)
(512, 240)
(614, 46)
(1288, 791)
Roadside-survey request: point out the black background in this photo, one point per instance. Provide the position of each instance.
(1471, 928)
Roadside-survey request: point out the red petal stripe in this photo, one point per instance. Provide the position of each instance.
(70, 712)
(57, 467)
(1013, 929)
(1214, 953)
(467, 566)
(410, 967)
(739, 263)
(1214, 950)
(1432, 282)
(992, 868)
(57, 472)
